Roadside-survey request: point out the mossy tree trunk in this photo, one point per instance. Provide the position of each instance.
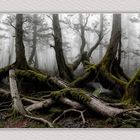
(21, 62)
(108, 71)
(64, 71)
(85, 55)
(110, 56)
(132, 90)
(20, 50)
(112, 59)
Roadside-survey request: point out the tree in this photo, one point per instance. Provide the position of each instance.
(21, 62)
(34, 40)
(101, 45)
(81, 28)
(64, 70)
(60, 91)
(109, 60)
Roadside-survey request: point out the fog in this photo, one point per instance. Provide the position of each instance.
(71, 40)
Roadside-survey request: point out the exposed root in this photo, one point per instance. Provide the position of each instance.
(43, 104)
(17, 104)
(29, 100)
(71, 110)
(46, 122)
(71, 103)
(118, 105)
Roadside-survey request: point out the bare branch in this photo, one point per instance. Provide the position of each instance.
(50, 17)
(86, 20)
(12, 25)
(95, 46)
(76, 63)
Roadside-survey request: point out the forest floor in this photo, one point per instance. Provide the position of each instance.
(69, 120)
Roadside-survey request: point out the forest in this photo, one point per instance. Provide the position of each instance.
(70, 70)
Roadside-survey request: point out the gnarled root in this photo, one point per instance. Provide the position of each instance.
(46, 122)
(71, 110)
(17, 103)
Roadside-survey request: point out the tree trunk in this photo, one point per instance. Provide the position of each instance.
(20, 50)
(36, 60)
(17, 104)
(85, 55)
(82, 31)
(92, 103)
(64, 70)
(33, 53)
(109, 58)
(105, 72)
(101, 28)
(132, 90)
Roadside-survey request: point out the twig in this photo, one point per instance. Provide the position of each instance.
(71, 110)
(40, 120)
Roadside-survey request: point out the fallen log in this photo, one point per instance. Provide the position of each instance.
(43, 104)
(93, 103)
(75, 98)
(49, 102)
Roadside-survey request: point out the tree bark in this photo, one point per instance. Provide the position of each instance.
(17, 104)
(105, 72)
(92, 103)
(132, 90)
(33, 53)
(109, 58)
(20, 50)
(100, 37)
(64, 70)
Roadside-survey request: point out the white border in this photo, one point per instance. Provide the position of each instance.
(20, 6)
(69, 5)
(69, 134)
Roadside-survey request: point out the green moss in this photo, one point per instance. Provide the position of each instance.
(31, 75)
(132, 89)
(5, 71)
(87, 77)
(118, 81)
(109, 120)
(134, 80)
(74, 93)
(127, 126)
(97, 92)
(35, 125)
(55, 110)
(117, 122)
(127, 100)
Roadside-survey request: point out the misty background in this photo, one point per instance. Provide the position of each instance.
(44, 58)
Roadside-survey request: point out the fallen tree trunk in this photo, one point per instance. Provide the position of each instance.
(42, 79)
(49, 102)
(76, 93)
(92, 103)
(74, 97)
(43, 104)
